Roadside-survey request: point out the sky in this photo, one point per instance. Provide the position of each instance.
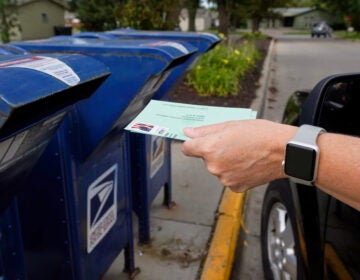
(206, 4)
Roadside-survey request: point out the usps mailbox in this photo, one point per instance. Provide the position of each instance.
(151, 157)
(152, 150)
(36, 93)
(96, 175)
(201, 40)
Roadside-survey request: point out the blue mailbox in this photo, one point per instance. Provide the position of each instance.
(87, 219)
(151, 157)
(139, 68)
(153, 150)
(36, 93)
(202, 41)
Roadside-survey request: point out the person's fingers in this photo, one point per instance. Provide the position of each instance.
(195, 132)
(191, 132)
(192, 148)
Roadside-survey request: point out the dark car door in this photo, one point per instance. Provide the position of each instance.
(340, 223)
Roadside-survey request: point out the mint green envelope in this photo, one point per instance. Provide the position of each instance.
(168, 119)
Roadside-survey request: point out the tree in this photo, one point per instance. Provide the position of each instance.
(192, 6)
(225, 7)
(261, 9)
(256, 10)
(96, 15)
(149, 14)
(8, 19)
(343, 9)
(172, 12)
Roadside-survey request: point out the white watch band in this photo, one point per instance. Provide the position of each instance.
(306, 137)
(308, 134)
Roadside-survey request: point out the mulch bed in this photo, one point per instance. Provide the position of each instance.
(186, 94)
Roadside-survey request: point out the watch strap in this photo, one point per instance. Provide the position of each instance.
(307, 136)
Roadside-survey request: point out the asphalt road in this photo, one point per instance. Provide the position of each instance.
(298, 62)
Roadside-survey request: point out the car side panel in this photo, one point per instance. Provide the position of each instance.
(342, 240)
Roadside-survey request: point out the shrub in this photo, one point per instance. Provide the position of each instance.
(219, 71)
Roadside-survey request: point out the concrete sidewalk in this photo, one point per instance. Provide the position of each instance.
(197, 238)
(180, 235)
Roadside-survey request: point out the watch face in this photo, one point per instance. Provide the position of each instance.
(300, 162)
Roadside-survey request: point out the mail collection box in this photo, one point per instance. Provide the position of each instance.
(147, 180)
(151, 156)
(200, 40)
(36, 94)
(87, 219)
(154, 150)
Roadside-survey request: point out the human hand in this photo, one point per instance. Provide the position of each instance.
(242, 154)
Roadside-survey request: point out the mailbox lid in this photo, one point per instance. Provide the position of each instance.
(35, 86)
(9, 50)
(33, 102)
(95, 35)
(138, 68)
(201, 40)
(165, 50)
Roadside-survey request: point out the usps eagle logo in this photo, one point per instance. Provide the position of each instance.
(101, 207)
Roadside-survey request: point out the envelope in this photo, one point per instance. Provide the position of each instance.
(168, 119)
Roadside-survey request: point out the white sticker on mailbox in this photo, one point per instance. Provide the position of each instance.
(51, 66)
(101, 207)
(158, 146)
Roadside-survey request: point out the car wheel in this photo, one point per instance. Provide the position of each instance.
(279, 238)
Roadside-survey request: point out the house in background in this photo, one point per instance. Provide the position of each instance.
(302, 18)
(297, 18)
(38, 18)
(205, 19)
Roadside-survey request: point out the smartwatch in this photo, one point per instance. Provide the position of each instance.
(302, 155)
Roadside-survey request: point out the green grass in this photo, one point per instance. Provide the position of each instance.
(299, 32)
(343, 34)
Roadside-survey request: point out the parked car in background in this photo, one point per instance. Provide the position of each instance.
(321, 29)
(306, 233)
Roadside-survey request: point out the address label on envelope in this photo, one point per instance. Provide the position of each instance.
(168, 119)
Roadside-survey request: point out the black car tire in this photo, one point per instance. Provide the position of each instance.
(280, 242)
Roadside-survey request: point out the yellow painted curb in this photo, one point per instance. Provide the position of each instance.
(219, 260)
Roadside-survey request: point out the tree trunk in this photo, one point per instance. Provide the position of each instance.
(5, 29)
(192, 18)
(224, 17)
(173, 14)
(255, 24)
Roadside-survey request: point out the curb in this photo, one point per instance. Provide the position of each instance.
(219, 261)
(259, 102)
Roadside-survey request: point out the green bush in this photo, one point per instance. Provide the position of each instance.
(219, 71)
(254, 35)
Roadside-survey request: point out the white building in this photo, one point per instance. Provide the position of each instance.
(205, 19)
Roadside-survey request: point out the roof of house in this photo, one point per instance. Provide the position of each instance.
(292, 12)
(62, 3)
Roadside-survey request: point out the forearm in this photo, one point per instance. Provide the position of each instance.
(339, 167)
(246, 154)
